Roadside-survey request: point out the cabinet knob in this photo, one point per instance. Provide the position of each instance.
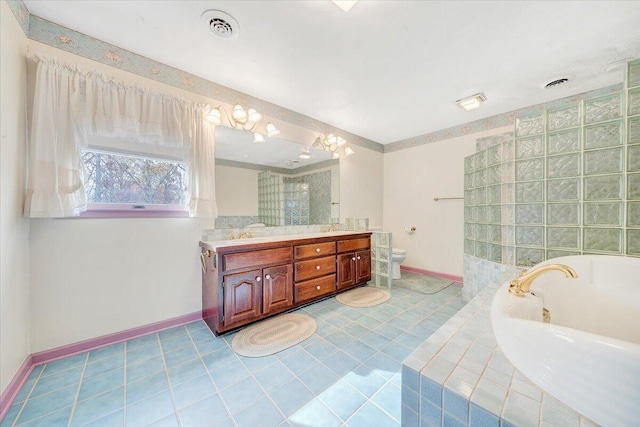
(317, 267)
(318, 288)
(353, 259)
(318, 250)
(268, 277)
(258, 279)
(358, 256)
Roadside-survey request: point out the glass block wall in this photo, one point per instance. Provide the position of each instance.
(381, 259)
(296, 202)
(568, 183)
(270, 199)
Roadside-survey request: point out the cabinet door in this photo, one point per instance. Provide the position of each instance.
(363, 266)
(346, 270)
(242, 297)
(277, 288)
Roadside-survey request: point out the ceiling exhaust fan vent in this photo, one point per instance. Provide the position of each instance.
(221, 24)
(556, 82)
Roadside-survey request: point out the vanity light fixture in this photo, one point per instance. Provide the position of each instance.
(345, 5)
(332, 143)
(471, 102)
(242, 119)
(257, 137)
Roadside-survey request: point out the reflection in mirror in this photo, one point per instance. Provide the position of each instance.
(275, 182)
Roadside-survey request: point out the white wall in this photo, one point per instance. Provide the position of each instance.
(236, 191)
(14, 229)
(412, 178)
(361, 186)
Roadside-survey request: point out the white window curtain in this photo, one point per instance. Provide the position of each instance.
(75, 110)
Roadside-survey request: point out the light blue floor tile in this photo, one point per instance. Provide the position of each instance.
(260, 414)
(343, 399)
(365, 380)
(37, 370)
(356, 330)
(62, 365)
(98, 406)
(53, 419)
(315, 414)
(318, 378)
(57, 381)
(273, 376)
(339, 338)
(370, 415)
(150, 410)
(143, 353)
(50, 402)
(176, 343)
(226, 376)
(107, 351)
(321, 349)
(201, 334)
(145, 387)
(24, 391)
(175, 332)
(254, 364)
(180, 356)
(219, 359)
(144, 369)
(375, 340)
(114, 419)
(383, 365)
(210, 345)
(241, 395)
(341, 363)
(299, 361)
(100, 384)
(389, 399)
(11, 415)
(186, 371)
(389, 331)
(170, 421)
(291, 396)
(195, 326)
(143, 341)
(409, 340)
(397, 351)
(359, 350)
(324, 328)
(103, 366)
(369, 322)
(206, 413)
(193, 391)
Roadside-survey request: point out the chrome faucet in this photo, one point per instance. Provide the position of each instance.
(520, 285)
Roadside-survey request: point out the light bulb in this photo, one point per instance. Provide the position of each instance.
(239, 114)
(257, 137)
(336, 155)
(331, 138)
(341, 141)
(272, 131)
(254, 116)
(214, 116)
(348, 151)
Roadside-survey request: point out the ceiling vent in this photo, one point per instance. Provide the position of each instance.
(555, 82)
(221, 24)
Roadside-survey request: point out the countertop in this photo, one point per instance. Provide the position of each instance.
(213, 245)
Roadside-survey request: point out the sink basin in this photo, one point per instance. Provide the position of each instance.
(588, 355)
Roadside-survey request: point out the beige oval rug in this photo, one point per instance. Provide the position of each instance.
(273, 335)
(363, 297)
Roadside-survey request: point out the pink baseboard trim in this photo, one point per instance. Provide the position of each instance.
(10, 393)
(453, 278)
(93, 343)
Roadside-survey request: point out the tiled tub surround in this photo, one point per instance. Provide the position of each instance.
(348, 374)
(567, 184)
(459, 377)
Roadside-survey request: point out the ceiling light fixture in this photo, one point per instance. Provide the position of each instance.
(471, 102)
(333, 144)
(241, 119)
(345, 5)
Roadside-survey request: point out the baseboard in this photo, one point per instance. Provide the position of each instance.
(452, 277)
(12, 390)
(35, 359)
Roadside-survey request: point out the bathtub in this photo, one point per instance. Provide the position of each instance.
(588, 355)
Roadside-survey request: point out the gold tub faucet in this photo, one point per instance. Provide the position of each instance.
(520, 285)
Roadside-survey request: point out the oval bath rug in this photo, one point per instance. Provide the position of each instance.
(273, 335)
(363, 297)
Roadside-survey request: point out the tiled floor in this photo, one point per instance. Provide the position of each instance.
(348, 373)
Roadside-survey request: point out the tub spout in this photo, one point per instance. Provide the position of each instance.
(520, 285)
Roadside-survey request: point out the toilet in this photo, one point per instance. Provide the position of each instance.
(397, 256)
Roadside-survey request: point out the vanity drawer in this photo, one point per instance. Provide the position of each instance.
(314, 250)
(314, 268)
(254, 259)
(353, 244)
(314, 288)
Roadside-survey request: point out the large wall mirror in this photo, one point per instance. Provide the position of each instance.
(275, 182)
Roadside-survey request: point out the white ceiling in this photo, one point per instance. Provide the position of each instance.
(387, 70)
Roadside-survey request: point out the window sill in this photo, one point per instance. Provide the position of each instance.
(126, 211)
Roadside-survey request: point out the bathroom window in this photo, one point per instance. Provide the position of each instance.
(132, 185)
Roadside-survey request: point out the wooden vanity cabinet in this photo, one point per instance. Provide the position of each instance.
(248, 282)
